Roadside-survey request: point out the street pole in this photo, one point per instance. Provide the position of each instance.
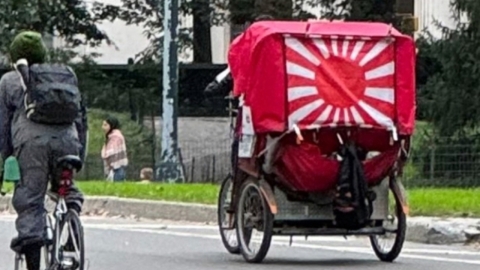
(169, 169)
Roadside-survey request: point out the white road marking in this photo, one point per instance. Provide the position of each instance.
(278, 240)
(331, 248)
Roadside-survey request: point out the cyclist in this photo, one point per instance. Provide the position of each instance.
(222, 85)
(223, 82)
(36, 145)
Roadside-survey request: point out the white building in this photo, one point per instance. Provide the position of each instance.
(429, 11)
(130, 40)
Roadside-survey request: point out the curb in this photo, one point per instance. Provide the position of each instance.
(426, 230)
(114, 206)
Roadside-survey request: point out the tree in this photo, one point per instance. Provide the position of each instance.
(453, 92)
(68, 19)
(354, 10)
(149, 15)
(206, 13)
(202, 49)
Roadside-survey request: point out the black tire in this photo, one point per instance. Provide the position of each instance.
(250, 192)
(392, 254)
(233, 248)
(71, 218)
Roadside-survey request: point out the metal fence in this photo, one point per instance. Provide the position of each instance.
(207, 160)
(204, 161)
(444, 165)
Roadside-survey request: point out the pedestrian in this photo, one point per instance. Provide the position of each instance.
(34, 132)
(114, 150)
(146, 175)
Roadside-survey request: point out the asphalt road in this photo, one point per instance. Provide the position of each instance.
(123, 244)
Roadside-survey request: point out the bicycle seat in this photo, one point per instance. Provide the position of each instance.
(70, 160)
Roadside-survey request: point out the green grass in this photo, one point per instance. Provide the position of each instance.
(192, 193)
(444, 202)
(423, 202)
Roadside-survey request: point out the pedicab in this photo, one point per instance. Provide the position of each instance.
(326, 115)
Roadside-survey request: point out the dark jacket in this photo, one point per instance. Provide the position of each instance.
(222, 85)
(16, 129)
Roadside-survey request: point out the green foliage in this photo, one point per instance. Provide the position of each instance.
(435, 161)
(243, 11)
(451, 94)
(351, 10)
(69, 19)
(448, 75)
(149, 15)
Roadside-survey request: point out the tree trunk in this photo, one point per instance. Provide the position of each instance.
(202, 48)
(279, 9)
(373, 10)
(241, 11)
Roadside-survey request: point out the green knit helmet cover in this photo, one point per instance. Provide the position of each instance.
(28, 45)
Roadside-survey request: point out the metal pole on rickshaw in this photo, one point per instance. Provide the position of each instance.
(169, 169)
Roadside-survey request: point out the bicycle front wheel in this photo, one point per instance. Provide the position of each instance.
(70, 242)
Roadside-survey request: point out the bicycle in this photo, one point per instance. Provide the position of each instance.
(56, 251)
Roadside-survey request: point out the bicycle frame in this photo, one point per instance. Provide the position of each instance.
(55, 219)
(58, 214)
(60, 211)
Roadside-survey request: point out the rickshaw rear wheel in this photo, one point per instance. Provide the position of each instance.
(229, 236)
(400, 232)
(253, 213)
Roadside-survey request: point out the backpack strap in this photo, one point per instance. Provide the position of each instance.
(21, 67)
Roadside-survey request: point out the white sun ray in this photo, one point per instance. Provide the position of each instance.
(381, 71)
(383, 94)
(298, 47)
(378, 48)
(347, 117)
(301, 91)
(324, 116)
(295, 69)
(336, 116)
(356, 116)
(379, 117)
(356, 50)
(334, 47)
(322, 47)
(346, 43)
(304, 111)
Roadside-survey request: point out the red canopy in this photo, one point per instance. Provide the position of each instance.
(316, 74)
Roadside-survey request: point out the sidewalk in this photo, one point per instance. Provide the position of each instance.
(428, 230)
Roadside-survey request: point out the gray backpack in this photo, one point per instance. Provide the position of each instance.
(51, 94)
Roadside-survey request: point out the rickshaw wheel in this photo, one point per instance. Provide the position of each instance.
(390, 254)
(253, 213)
(229, 236)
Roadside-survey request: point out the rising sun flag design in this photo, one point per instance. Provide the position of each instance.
(343, 81)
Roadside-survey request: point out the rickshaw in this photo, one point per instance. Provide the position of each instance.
(323, 105)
